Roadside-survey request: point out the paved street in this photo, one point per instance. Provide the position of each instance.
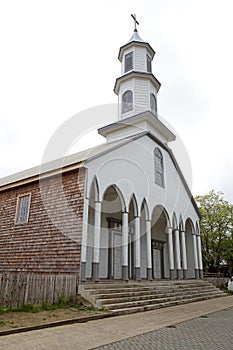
(212, 332)
(145, 330)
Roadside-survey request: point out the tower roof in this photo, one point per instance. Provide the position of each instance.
(135, 40)
(136, 37)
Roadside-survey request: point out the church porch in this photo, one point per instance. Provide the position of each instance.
(125, 245)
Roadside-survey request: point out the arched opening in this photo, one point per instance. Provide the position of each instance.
(127, 101)
(153, 104)
(111, 234)
(160, 263)
(189, 229)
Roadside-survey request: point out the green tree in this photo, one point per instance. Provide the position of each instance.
(216, 230)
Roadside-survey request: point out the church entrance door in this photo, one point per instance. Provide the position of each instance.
(157, 259)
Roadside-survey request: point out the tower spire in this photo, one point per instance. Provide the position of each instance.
(135, 22)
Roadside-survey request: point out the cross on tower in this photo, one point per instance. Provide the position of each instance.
(135, 22)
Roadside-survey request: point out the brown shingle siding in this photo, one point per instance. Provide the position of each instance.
(51, 240)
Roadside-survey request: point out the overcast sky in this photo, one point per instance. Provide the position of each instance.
(58, 58)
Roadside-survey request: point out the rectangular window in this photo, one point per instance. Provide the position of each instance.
(148, 64)
(128, 61)
(23, 206)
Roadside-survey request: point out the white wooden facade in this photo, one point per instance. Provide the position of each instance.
(135, 227)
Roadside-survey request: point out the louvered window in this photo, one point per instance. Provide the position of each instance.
(148, 64)
(127, 101)
(153, 103)
(128, 61)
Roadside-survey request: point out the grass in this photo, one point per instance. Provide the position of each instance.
(61, 304)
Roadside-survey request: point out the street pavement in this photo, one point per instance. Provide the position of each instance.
(202, 325)
(212, 332)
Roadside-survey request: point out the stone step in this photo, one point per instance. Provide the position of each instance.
(144, 289)
(105, 302)
(159, 293)
(165, 304)
(132, 303)
(146, 295)
(157, 284)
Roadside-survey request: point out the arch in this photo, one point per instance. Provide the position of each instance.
(189, 232)
(174, 222)
(127, 101)
(181, 224)
(145, 209)
(153, 103)
(190, 222)
(95, 187)
(159, 238)
(133, 200)
(164, 212)
(197, 229)
(120, 195)
(159, 167)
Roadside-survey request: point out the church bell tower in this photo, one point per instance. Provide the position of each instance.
(137, 87)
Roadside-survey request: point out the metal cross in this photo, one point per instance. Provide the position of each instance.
(135, 22)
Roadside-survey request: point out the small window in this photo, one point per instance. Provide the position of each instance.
(127, 101)
(128, 61)
(153, 103)
(23, 206)
(159, 169)
(148, 64)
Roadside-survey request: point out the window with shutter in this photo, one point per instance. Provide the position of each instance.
(127, 101)
(128, 61)
(153, 103)
(148, 64)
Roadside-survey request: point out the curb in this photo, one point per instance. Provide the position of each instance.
(59, 323)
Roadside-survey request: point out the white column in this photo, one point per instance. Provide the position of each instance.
(178, 255)
(137, 248)
(96, 253)
(177, 247)
(148, 249)
(195, 255)
(184, 254)
(170, 251)
(199, 254)
(84, 239)
(125, 234)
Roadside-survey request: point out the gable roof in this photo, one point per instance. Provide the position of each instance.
(61, 165)
(78, 160)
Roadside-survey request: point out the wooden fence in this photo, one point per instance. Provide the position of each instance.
(20, 289)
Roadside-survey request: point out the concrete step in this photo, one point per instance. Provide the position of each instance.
(162, 305)
(139, 292)
(147, 295)
(157, 297)
(132, 303)
(144, 289)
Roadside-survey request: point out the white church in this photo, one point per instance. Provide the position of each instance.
(124, 210)
(140, 218)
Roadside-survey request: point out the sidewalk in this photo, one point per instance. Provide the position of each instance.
(96, 333)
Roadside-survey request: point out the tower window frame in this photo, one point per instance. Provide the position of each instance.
(127, 101)
(148, 64)
(129, 61)
(23, 208)
(153, 103)
(159, 167)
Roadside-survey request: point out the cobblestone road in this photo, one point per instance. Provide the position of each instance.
(212, 332)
